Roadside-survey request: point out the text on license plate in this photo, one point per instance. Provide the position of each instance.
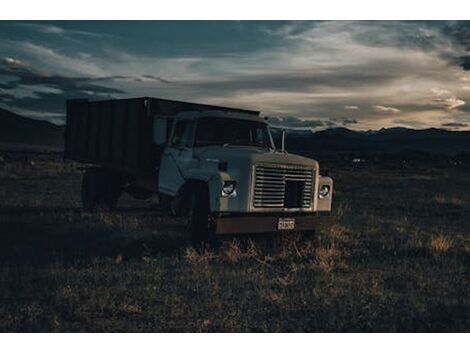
(286, 224)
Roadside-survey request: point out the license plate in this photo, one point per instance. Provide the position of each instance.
(286, 224)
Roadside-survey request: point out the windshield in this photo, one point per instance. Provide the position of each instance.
(229, 131)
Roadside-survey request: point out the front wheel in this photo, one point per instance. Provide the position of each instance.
(200, 225)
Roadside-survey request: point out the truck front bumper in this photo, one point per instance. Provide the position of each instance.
(226, 224)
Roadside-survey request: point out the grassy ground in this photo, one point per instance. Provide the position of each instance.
(397, 259)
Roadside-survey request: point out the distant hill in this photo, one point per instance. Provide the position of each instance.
(16, 130)
(391, 140)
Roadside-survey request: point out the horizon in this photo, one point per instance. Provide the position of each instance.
(290, 129)
(311, 75)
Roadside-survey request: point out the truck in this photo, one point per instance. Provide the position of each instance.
(215, 167)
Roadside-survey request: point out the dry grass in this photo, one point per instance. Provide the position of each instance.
(396, 259)
(441, 244)
(329, 258)
(452, 200)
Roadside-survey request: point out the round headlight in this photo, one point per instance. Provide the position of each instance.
(228, 189)
(324, 191)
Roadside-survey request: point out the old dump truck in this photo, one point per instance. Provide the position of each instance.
(216, 167)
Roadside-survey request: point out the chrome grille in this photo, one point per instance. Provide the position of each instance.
(270, 186)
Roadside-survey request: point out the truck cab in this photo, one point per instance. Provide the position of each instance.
(229, 161)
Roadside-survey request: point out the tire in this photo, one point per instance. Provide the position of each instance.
(199, 223)
(100, 189)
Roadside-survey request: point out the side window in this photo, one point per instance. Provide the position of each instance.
(183, 134)
(258, 140)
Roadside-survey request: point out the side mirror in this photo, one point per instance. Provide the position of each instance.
(283, 141)
(160, 126)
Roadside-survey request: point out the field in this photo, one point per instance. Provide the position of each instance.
(396, 259)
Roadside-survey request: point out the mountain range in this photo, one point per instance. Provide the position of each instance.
(389, 140)
(21, 131)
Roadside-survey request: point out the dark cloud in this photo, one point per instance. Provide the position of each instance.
(347, 77)
(454, 124)
(146, 78)
(398, 34)
(464, 61)
(47, 93)
(349, 122)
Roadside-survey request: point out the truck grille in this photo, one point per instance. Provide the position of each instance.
(283, 186)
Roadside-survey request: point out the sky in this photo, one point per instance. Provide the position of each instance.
(302, 74)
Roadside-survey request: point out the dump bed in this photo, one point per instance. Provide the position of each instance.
(119, 133)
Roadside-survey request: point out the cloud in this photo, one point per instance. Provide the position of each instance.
(386, 109)
(318, 71)
(53, 61)
(14, 63)
(454, 124)
(43, 96)
(349, 122)
(57, 30)
(296, 123)
(151, 78)
(450, 103)
(440, 91)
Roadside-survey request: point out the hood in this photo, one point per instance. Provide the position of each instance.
(251, 155)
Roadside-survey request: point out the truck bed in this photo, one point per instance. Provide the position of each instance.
(119, 133)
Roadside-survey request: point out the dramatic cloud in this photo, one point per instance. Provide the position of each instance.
(454, 125)
(365, 75)
(15, 63)
(295, 123)
(449, 103)
(57, 30)
(43, 96)
(386, 109)
(349, 122)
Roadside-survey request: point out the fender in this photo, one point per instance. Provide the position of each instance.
(214, 181)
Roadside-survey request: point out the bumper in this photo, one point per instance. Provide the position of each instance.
(268, 223)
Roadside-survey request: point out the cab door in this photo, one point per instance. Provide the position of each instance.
(177, 157)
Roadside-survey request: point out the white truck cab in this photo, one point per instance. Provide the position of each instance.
(251, 186)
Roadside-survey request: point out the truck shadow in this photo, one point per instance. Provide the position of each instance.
(43, 244)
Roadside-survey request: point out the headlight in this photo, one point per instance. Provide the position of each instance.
(228, 189)
(324, 191)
